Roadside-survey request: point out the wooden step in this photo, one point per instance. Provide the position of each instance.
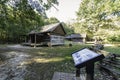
(67, 76)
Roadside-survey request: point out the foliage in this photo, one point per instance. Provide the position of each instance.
(114, 38)
(68, 28)
(18, 18)
(49, 3)
(51, 20)
(96, 15)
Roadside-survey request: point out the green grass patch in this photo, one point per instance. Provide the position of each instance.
(113, 49)
(48, 60)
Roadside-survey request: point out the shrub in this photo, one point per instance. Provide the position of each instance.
(113, 38)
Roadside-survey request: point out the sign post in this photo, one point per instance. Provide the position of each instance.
(77, 72)
(86, 58)
(90, 71)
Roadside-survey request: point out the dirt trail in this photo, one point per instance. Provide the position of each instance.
(14, 67)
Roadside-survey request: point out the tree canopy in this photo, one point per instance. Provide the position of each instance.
(98, 18)
(18, 17)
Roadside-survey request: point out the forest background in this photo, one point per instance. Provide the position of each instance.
(99, 19)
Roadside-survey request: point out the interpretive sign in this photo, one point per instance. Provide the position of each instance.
(84, 56)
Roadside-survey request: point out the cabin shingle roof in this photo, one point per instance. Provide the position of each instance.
(75, 35)
(47, 28)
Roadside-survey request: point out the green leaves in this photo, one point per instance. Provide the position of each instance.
(20, 18)
(99, 14)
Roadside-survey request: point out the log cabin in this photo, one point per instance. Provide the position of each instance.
(49, 35)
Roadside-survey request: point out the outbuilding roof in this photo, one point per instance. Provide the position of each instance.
(75, 35)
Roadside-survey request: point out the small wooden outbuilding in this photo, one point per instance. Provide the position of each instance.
(50, 35)
(76, 37)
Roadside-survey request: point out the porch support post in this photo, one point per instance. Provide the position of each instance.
(30, 39)
(25, 39)
(35, 41)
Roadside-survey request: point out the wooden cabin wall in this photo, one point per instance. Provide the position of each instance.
(43, 38)
(59, 31)
(57, 40)
(39, 38)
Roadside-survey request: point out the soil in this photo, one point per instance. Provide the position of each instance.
(12, 65)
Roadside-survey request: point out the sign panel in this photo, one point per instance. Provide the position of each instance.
(84, 55)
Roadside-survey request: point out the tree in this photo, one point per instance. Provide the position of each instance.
(51, 20)
(69, 28)
(94, 15)
(18, 17)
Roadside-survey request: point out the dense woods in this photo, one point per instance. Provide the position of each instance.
(18, 17)
(99, 19)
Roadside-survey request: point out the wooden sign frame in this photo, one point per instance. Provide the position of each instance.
(85, 56)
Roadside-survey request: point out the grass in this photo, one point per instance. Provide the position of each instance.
(113, 49)
(48, 60)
